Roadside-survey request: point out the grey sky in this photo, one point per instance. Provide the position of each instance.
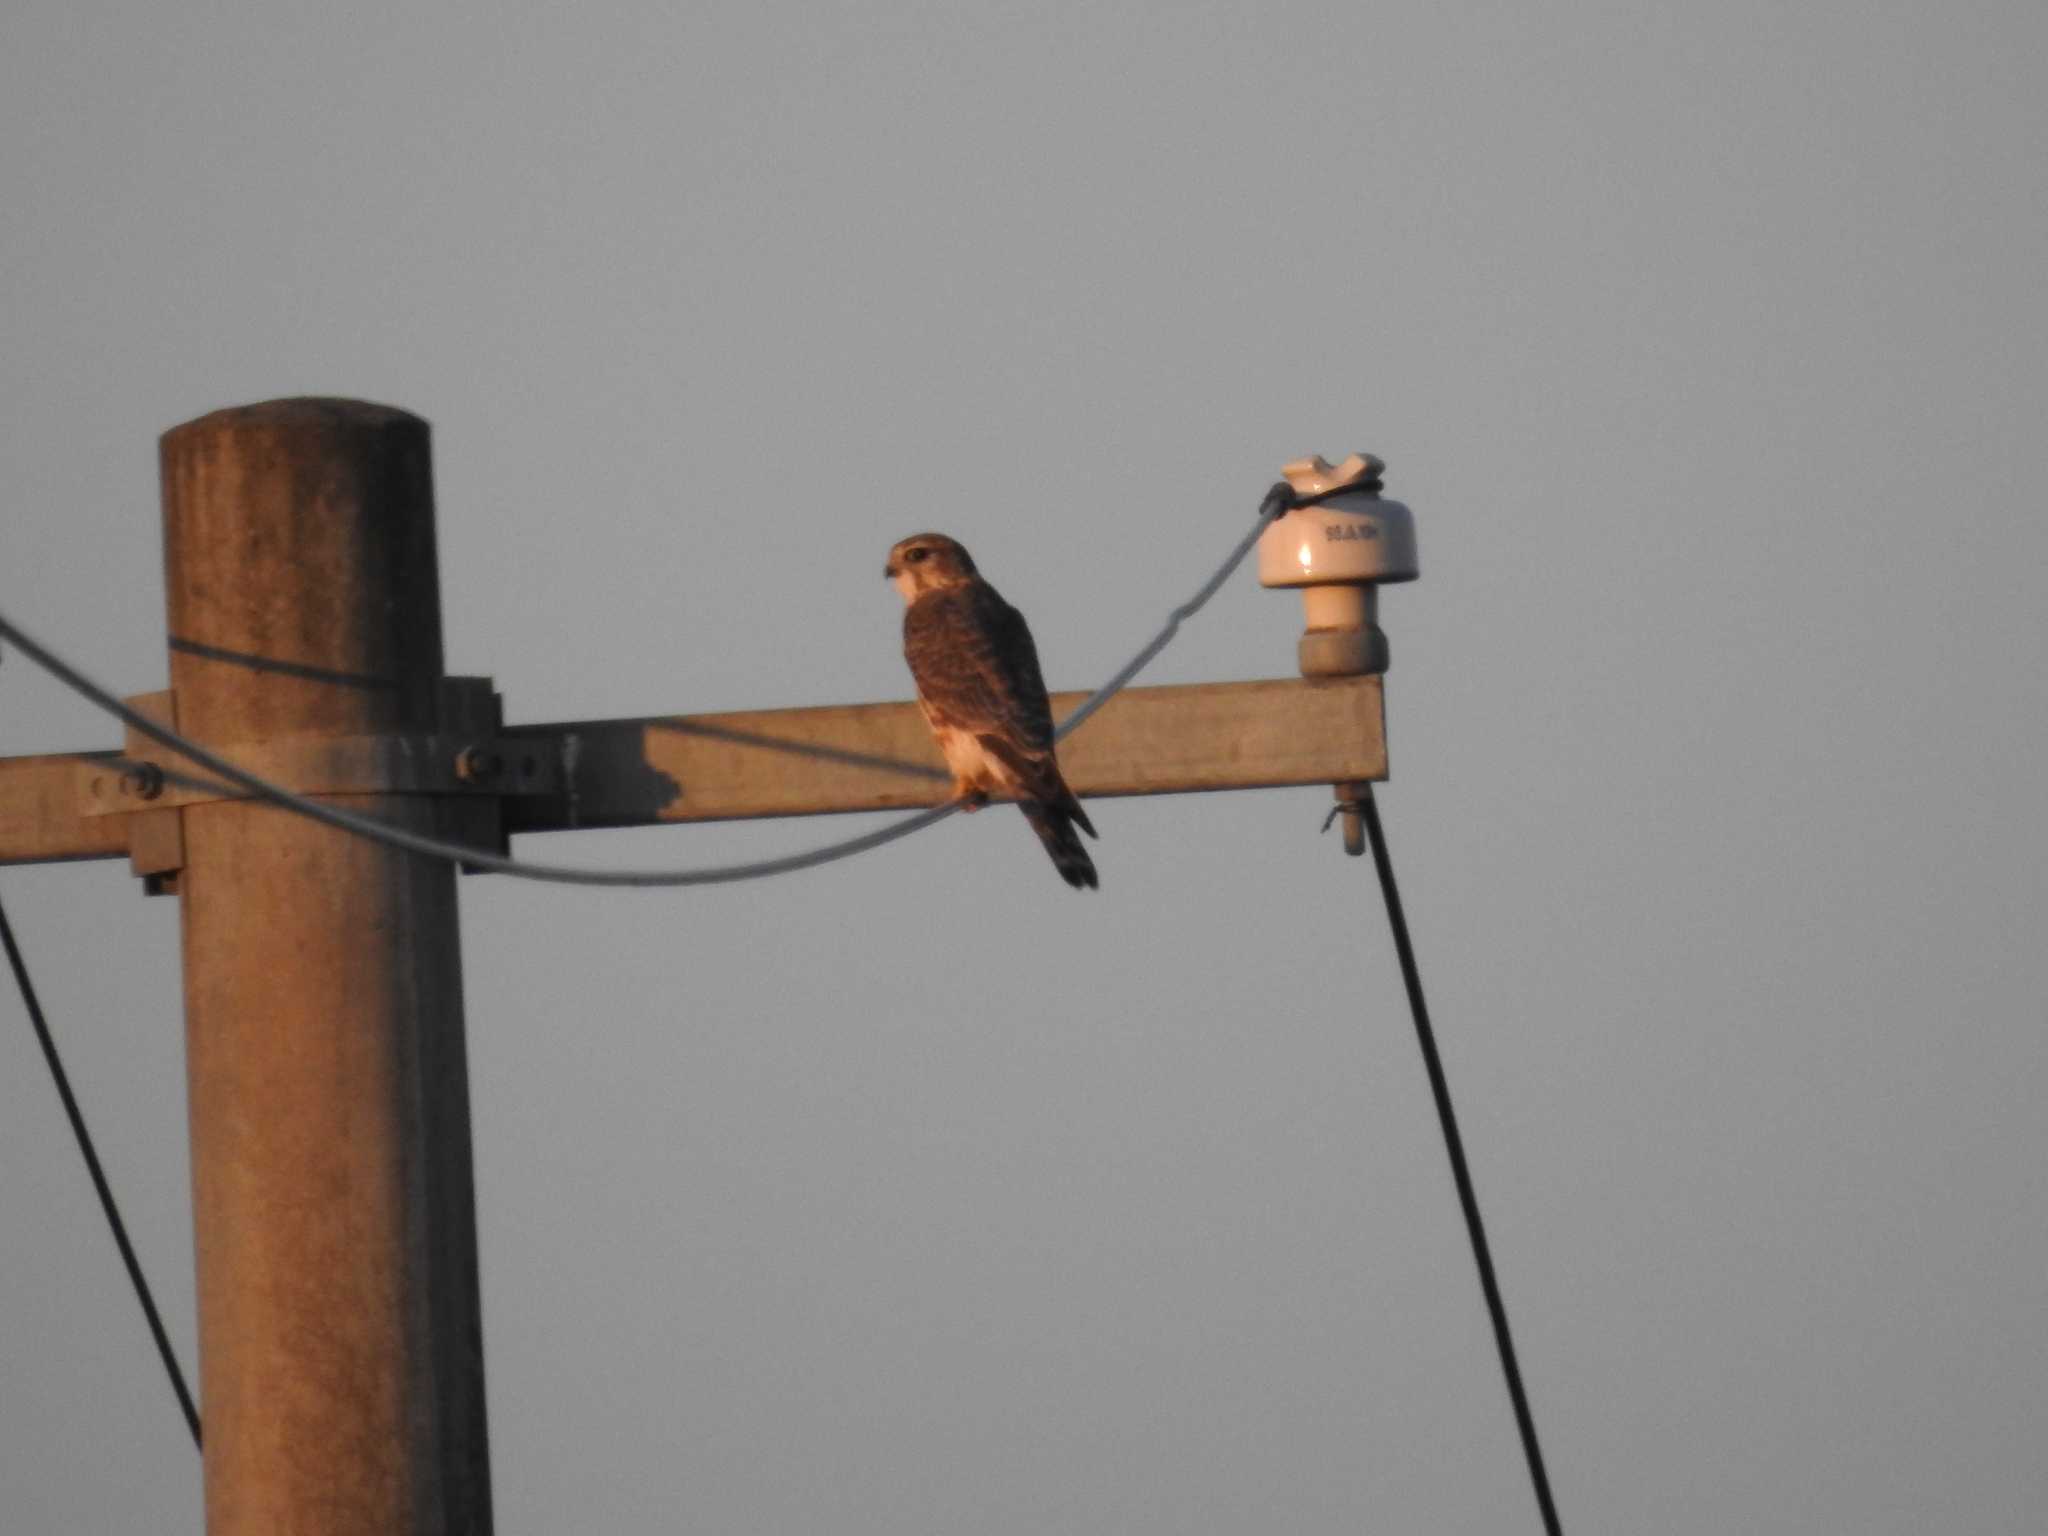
(920, 1194)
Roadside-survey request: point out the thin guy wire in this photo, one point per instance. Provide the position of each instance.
(99, 1177)
(1440, 1086)
(1273, 506)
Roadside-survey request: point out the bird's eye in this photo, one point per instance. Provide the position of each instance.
(916, 555)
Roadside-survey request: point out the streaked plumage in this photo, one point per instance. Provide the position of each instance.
(979, 685)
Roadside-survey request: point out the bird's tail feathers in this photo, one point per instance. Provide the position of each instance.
(1072, 808)
(1036, 776)
(1055, 825)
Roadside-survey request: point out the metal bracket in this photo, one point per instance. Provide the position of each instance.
(156, 836)
(468, 759)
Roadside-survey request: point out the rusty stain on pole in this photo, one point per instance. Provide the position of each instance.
(339, 1325)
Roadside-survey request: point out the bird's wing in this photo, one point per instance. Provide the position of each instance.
(977, 668)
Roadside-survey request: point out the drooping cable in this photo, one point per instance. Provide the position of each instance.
(1440, 1087)
(99, 1177)
(1277, 501)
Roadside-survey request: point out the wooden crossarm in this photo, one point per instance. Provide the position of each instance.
(837, 758)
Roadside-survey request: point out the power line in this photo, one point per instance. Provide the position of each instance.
(1440, 1086)
(1277, 501)
(99, 1177)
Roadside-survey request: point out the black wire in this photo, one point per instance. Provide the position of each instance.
(1441, 1087)
(99, 1178)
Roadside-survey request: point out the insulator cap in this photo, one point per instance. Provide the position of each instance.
(1349, 534)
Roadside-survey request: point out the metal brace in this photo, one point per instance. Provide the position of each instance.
(468, 760)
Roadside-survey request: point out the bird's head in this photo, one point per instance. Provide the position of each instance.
(928, 562)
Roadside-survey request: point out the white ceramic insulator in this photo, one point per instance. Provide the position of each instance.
(1352, 606)
(1351, 537)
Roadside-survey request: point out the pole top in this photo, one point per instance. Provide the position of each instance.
(314, 412)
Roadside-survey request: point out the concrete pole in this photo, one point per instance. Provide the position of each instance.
(340, 1341)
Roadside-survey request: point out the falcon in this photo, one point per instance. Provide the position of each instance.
(983, 696)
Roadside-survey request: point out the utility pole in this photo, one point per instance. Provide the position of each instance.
(340, 1342)
(340, 1346)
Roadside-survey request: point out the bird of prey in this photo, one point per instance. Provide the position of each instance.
(979, 686)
